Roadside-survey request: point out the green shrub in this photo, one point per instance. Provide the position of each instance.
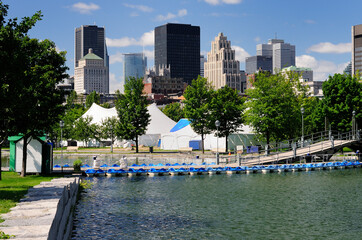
(76, 165)
(5, 236)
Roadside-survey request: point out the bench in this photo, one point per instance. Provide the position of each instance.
(72, 148)
(185, 149)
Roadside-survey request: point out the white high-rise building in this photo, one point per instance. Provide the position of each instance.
(221, 67)
(91, 75)
(283, 54)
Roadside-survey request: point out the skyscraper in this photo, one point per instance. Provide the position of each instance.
(91, 37)
(178, 46)
(254, 63)
(356, 49)
(283, 54)
(221, 67)
(134, 65)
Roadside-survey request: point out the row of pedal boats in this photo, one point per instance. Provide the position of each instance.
(222, 170)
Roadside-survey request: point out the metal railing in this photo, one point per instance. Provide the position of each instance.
(290, 149)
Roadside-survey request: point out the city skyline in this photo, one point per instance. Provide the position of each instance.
(320, 32)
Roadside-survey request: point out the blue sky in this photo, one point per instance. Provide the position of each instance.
(320, 29)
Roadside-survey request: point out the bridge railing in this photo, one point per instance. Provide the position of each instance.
(325, 138)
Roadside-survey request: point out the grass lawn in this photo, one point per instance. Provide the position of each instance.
(13, 188)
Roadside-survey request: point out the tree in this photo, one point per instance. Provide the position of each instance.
(132, 111)
(227, 107)
(197, 101)
(30, 70)
(174, 111)
(274, 106)
(84, 130)
(108, 128)
(342, 96)
(93, 97)
(72, 99)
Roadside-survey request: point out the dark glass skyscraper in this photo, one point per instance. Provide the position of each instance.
(90, 36)
(178, 46)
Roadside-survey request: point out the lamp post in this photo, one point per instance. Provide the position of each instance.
(354, 124)
(302, 110)
(217, 124)
(61, 124)
(111, 138)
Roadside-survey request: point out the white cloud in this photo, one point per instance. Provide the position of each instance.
(257, 39)
(180, 13)
(240, 53)
(147, 39)
(327, 47)
(321, 68)
(118, 57)
(141, 8)
(309, 21)
(217, 2)
(114, 84)
(149, 54)
(84, 8)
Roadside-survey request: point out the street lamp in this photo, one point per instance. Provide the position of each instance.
(217, 124)
(111, 138)
(302, 110)
(354, 124)
(61, 124)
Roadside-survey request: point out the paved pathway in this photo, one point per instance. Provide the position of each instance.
(33, 215)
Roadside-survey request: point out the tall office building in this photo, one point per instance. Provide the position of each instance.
(178, 46)
(91, 37)
(356, 48)
(91, 75)
(134, 65)
(221, 67)
(256, 63)
(283, 54)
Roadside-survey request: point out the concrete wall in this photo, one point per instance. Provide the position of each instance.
(62, 225)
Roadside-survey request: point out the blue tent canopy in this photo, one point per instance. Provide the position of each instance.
(180, 124)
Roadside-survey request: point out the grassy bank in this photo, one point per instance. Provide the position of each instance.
(13, 188)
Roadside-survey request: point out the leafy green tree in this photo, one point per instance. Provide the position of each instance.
(174, 111)
(108, 127)
(342, 95)
(132, 111)
(84, 130)
(197, 106)
(314, 119)
(106, 105)
(93, 97)
(72, 99)
(274, 106)
(227, 107)
(30, 70)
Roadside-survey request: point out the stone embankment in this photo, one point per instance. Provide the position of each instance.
(45, 213)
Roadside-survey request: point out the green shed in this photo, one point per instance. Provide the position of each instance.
(39, 155)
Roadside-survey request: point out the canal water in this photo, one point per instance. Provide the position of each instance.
(301, 205)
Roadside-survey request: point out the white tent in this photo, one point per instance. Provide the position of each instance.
(99, 114)
(158, 125)
(182, 134)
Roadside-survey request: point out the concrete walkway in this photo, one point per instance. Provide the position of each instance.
(33, 216)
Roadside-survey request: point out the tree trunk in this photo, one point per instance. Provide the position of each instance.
(202, 142)
(0, 161)
(136, 144)
(267, 141)
(23, 168)
(226, 143)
